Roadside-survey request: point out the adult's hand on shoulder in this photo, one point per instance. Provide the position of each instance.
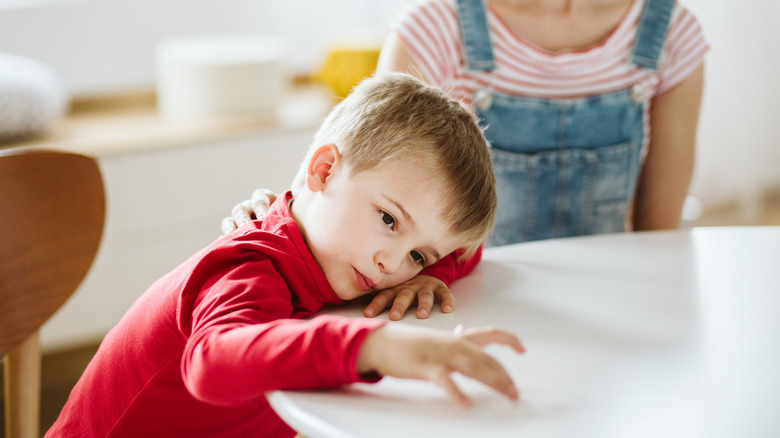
(251, 209)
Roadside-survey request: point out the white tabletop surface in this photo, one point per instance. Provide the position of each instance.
(658, 334)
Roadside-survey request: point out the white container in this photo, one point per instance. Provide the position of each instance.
(205, 77)
(32, 97)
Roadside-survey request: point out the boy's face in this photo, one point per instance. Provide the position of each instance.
(375, 229)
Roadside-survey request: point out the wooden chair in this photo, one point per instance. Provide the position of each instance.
(52, 207)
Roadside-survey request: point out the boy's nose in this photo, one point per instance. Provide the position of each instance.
(389, 261)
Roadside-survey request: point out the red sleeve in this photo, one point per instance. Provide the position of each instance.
(450, 268)
(243, 343)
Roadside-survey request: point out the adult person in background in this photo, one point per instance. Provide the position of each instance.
(590, 106)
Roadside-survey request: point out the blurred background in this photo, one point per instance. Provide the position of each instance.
(107, 47)
(172, 172)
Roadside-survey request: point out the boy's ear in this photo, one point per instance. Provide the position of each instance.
(320, 166)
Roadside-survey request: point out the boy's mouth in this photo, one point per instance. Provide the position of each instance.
(364, 283)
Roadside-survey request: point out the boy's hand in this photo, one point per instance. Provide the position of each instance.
(251, 209)
(421, 353)
(423, 288)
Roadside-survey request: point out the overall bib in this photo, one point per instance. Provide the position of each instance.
(563, 167)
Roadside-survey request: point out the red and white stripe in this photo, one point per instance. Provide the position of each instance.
(431, 33)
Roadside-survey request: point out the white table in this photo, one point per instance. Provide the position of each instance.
(659, 334)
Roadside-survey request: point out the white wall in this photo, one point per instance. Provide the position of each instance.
(739, 139)
(107, 45)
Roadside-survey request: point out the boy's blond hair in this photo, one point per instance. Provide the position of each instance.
(395, 115)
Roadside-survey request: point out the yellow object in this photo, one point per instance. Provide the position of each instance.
(345, 66)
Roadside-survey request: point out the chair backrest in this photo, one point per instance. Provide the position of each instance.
(52, 209)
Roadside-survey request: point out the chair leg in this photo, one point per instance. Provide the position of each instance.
(23, 389)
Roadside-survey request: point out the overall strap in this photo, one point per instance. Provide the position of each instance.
(475, 35)
(651, 34)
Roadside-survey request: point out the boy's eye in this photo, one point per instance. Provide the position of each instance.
(417, 257)
(387, 219)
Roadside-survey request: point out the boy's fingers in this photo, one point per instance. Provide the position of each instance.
(442, 378)
(379, 303)
(425, 300)
(403, 300)
(484, 336)
(447, 299)
(484, 368)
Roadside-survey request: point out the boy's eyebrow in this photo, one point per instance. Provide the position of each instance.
(403, 211)
(408, 217)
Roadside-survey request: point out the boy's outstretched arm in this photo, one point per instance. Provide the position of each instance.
(420, 353)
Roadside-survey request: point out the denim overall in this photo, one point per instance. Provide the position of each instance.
(564, 167)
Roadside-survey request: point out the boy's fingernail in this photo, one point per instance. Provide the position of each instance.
(447, 308)
(423, 313)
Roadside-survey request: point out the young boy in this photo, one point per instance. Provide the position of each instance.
(398, 177)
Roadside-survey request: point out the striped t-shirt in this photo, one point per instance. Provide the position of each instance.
(430, 32)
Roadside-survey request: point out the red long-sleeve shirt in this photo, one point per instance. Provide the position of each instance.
(195, 354)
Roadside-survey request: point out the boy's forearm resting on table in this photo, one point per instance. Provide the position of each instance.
(451, 267)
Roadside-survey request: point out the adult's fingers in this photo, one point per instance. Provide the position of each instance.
(261, 201)
(242, 213)
(228, 225)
